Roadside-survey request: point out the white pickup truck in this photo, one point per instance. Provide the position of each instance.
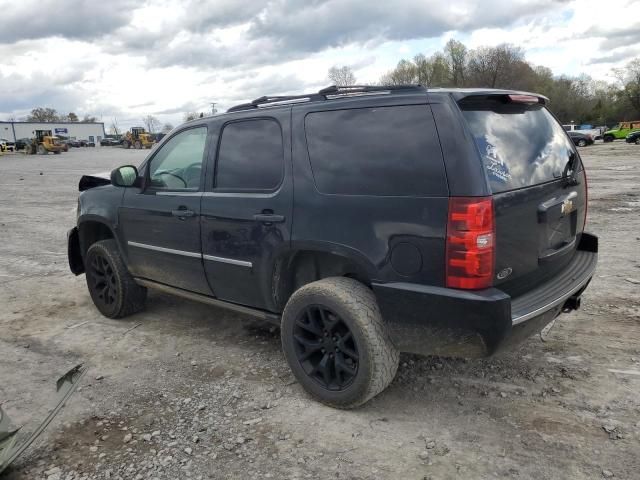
(596, 133)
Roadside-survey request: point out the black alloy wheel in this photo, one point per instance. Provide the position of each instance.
(325, 347)
(103, 281)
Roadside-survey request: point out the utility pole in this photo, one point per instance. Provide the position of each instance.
(213, 108)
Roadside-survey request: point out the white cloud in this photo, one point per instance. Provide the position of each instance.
(169, 56)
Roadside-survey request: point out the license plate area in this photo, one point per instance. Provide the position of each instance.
(557, 225)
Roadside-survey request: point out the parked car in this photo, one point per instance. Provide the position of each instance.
(109, 142)
(72, 142)
(633, 137)
(7, 146)
(399, 236)
(581, 139)
(621, 131)
(22, 143)
(596, 133)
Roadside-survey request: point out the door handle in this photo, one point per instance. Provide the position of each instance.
(268, 218)
(183, 213)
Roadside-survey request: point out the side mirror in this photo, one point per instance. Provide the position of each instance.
(125, 176)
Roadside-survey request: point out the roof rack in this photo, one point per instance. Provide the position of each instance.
(327, 93)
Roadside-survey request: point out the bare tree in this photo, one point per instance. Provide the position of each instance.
(188, 116)
(456, 54)
(45, 114)
(629, 78)
(115, 130)
(151, 123)
(341, 76)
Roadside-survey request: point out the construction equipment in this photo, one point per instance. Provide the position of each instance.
(43, 143)
(137, 138)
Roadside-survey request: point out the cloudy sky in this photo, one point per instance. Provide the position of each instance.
(125, 59)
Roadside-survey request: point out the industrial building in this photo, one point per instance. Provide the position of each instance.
(92, 131)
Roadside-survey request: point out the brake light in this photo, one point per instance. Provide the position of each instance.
(530, 99)
(470, 243)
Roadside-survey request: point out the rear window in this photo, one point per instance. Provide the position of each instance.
(520, 145)
(387, 151)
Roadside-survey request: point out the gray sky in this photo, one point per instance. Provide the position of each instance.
(125, 59)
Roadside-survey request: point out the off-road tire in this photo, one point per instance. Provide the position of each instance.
(608, 138)
(129, 297)
(356, 305)
(126, 144)
(41, 150)
(138, 145)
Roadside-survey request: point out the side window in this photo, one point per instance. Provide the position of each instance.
(250, 156)
(391, 151)
(178, 164)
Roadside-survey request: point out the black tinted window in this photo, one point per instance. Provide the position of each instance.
(250, 156)
(520, 145)
(376, 151)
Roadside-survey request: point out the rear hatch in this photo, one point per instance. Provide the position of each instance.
(538, 185)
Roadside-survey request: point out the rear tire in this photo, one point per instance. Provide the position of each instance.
(638, 141)
(126, 144)
(582, 143)
(42, 150)
(112, 288)
(336, 342)
(138, 145)
(607, 138)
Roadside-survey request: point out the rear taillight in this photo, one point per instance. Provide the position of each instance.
(470, 243)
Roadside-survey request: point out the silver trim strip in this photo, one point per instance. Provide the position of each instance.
(212, 258)
(178, 194)
(165, 250)
(232, 261)
(550, 305)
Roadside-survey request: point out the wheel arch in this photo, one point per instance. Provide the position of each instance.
(307, 262)
(92, 229)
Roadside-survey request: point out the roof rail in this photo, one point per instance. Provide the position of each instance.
(327, 93)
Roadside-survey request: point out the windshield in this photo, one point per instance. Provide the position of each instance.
(520, 145)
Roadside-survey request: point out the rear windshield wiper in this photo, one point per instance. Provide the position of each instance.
(570, 170)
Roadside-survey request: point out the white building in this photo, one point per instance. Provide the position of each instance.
(93, 132)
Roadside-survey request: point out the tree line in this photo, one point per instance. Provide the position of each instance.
(578, 99)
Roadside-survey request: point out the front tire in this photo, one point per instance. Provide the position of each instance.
(336, 342)
(138, 145)
(638, 141)
(582, 143)
(112, 288)
(607, 138)
(42, 150)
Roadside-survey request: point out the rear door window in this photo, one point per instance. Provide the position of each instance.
(389, 151)
(520, 145)
(250, 156)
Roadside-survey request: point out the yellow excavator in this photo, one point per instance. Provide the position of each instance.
(137, 138)
(43, 143)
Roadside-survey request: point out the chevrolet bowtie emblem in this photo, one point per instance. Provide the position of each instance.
(567, 207)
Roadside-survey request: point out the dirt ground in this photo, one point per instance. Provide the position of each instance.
(185, 390)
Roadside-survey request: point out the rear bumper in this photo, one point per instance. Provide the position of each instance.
(440, 321)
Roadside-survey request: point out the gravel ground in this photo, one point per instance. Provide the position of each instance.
(184, 390)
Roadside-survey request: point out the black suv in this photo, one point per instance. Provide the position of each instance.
(364, 221)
